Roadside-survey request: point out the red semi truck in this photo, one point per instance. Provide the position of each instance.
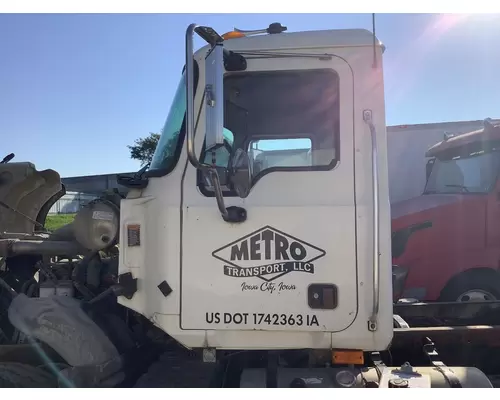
(446, 242)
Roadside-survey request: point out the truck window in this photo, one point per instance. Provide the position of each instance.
(272, 153)
(169, 146)
(475, 173)
(286, 120)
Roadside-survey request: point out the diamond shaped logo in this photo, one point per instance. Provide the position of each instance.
(267, 254)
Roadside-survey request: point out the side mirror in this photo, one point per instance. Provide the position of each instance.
(241, 173)
(213, 92)
(214, 97)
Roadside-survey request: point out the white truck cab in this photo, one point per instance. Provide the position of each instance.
(265, 221)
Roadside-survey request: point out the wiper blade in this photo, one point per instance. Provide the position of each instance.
(136, 181)
(141, 172)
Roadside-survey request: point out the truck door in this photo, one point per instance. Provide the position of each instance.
(292, 264)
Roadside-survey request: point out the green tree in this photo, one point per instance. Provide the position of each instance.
(144, 148)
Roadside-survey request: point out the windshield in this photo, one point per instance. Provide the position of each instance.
(168, 148)
(475, 173)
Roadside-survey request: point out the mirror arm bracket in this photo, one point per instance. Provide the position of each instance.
(231, 214)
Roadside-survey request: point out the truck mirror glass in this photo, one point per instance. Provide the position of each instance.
(241, 173)
(214, 93)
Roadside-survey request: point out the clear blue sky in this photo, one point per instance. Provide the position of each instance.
(75, 90)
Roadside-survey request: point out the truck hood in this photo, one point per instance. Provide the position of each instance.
(413, 215)
(446, 214)
(26, 195)
(423, 203)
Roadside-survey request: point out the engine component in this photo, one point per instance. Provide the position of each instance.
(17, 375)
(8, 288)
(96, 226)
(12, 247)
(60, 322)
(60, 288)
(65, 288)
(170, 372)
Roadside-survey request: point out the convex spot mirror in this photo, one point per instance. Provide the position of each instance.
(240, 173)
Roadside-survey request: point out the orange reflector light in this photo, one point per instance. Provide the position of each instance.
(355, 357)
(232, 35)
